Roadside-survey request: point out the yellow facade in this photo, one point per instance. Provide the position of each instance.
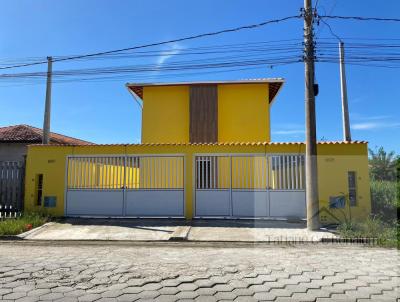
(334, 162)
(165, 114)
(333, 165)
(243, 116)
(243, 113)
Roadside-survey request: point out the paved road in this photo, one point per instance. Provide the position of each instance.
(30, 272)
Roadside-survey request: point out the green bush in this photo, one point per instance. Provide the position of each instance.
(387, 234)
(385, 199)
(15, 226)
(348, 229)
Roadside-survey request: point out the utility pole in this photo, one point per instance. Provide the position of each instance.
(47, 107)
(311, 136)
(345, 106)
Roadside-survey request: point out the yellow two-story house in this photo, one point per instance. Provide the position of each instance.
(206, 152)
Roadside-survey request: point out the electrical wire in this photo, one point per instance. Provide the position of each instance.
(385, 55)
(330, 30)
(252, 26)
(359, 18)
(239, 56)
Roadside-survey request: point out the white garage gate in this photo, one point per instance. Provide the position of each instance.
(125, 186)
(250, 186)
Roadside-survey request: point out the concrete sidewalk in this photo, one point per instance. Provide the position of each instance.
(164, 230)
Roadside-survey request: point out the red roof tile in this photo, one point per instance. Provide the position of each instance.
(233, 144)
(33, 135)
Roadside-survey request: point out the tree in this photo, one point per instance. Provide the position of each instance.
(398, 169)
(382, 165)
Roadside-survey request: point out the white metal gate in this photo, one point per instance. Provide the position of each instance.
(133, 186)
(250, 186)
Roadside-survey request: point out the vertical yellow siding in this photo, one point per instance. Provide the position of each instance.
(165, 114)
(243, 113)
(83, 173)
(161, 173)
(249, 172)
(223, 172)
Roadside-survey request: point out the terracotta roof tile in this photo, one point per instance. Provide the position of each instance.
(230, 144)
(33, 135)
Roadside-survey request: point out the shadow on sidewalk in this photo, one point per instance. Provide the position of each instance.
(153, 222)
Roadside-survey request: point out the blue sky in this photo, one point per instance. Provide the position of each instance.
(104, 112)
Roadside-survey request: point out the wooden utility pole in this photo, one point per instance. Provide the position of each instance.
(311, 136)
(345, 106)
(47, 107)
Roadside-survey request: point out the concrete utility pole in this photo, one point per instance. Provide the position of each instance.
(311, 136)
(345, 106)
(47, 107)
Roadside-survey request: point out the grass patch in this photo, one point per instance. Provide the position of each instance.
(15, 226)
(385, 198)
(386, 233)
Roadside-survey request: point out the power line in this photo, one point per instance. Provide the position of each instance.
(358, 18)
(210, 63)
(241, 55)
(260, 46)
(117, 51)
(361, 39)
(329, 13)
(251, 48)
(138, 78)
(330, 29)
(171, 68)
(386, 54)
(163, 42)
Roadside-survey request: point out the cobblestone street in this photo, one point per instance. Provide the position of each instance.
(183, 272)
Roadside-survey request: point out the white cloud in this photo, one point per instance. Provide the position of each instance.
(364, 122)
(363, 126)
(374, 125)
(361, 117)
(356, 100)
(175, 49)
(289, 129)
(288, 132)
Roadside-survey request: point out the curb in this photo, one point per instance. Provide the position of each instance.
(161, 243)
(370, 241)
(10, 237)
(180, 234)
(23, 236)
(34, 231)
(182, 242)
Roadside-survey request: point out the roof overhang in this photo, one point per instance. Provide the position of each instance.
(274, 87)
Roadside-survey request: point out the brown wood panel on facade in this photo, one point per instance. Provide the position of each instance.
(203, 114)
